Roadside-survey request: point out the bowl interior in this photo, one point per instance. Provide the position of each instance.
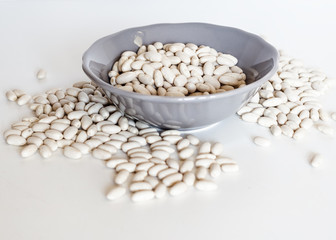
(256, 57)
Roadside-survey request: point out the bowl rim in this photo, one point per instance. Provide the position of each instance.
(246, 88)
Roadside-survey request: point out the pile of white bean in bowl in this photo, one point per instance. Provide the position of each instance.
(149, 163)
(176, 70)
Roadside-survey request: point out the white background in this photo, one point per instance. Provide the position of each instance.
(276, 195)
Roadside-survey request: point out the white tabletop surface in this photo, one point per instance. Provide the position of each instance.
(276, 195)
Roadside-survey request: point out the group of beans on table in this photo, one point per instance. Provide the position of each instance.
(149, 163)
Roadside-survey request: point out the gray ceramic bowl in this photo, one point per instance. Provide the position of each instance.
(256, 57)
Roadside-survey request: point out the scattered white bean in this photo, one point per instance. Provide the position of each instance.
(41, 74)
(178, 189)
(206, 185)
(121, 177)
(316, 161)
(262, 142)
(28, 150)
(160, 190)
(72, 152)
(116, 192)
(229, 167)
(288, 102)
(138, 186)
(15, 140)
(143, 195)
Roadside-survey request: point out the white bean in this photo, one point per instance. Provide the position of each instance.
(186, 153)
(187, 166)
(138, 186)
(121, 177)
(116, 192)
(276, 130)
(143, 195)
(229, 167)
(205, 147)
(262, 142)
(125, 77)
(72, 152)
(160, 190)
(217, 148)
(112, 163)
(193, 140)
(140, 175)
(173, 139)
(45, 151)
(154, 170)
(316, 161)
(15, 140)
(250, 117)
(28, 150)
(160, 154)
(189, 178)
(126, 166)
(24, 99)
(11, 96)
(201, 172)
(172, 178)
(178, 189)
(129, 145)
(215, 170)
(101, 154)
(52, 144)
(205, 185)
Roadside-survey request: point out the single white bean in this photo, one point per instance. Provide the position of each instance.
(101, 154)
(143, 195)
(11, 96)
(126, 166)
(201, 172)
(205, 147)
(261, 141)
(229, 167)
(217, 148)
(121, 177)
(138, 186)
(178, 189)
(186, 153)
(276, 130)
(160, 190)
(15, 140)
(140, 175)
(114, 162)
(250, 117)
(24, 99)
(160, 154)
(187, 166)
(205, 185)
(172, 178)
(189, 178)
(28, 150)
(125, 147)
(45, 151)
(316, 161)
(72, 152)
(154, 170)
(215, 170)
(116, 192)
